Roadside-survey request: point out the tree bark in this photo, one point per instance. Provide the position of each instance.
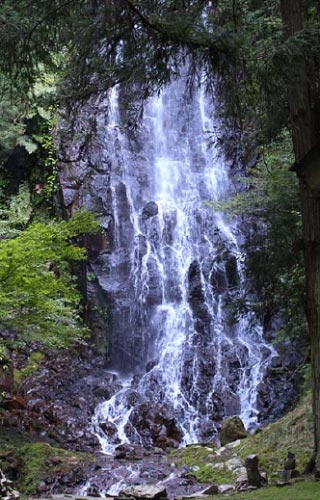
(305, 133)
(311, 226)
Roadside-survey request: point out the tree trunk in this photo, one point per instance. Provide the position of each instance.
(305, 133)
(311, 223)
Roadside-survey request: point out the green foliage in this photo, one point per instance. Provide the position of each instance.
(17, 110)
(4, 359)
(292, 432)
(16, 213)
(38, 295)
(271, 190)
(33, 364)
(35, 462)
(274, 251)
(199, 459)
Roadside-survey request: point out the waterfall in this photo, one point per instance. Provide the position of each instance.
(172, 273)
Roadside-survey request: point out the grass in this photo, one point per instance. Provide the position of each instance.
(306, 490)
(292, 432)
(200, 460)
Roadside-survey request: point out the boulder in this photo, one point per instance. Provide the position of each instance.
(290, 474)
(213, 489)
(150, 210)
(225, 488)
(232, 429)
(156, 424)
(290, 461)
(253, 473)
(290, 471)
(145, 491)
(109, 428)
(129, 452)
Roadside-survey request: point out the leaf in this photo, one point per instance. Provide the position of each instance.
(27, 143)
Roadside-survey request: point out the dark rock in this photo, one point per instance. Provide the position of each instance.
(149, 210)
(156, 425)
(232, 271)
(290, 461)
(93, 491)
(219, 279)
(154, 295)
(232, 429)
(211, 490)
(197, 299)
(109, 428)
(253, 474)
(281, 484)
(129, 452)
(42, 488)
(10, 402)
(159, 451)
(54, 407)
(290, 474)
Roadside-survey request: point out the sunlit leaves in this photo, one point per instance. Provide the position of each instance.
(38, 295)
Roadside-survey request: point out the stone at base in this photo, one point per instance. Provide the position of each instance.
(211, 490)
(232, 430)
(281, 484)
(253, 474)
(145, 491)
(224, 488)
(290, 474)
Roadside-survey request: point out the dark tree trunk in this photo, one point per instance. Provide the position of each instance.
(305, 133)
(311, 223)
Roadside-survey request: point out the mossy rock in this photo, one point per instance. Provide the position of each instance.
(232, 429)
(27, 462)
(200, 461)
(293, 432)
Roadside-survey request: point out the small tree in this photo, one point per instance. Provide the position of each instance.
(38, 295)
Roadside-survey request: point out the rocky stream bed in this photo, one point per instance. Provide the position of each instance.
(48, 446)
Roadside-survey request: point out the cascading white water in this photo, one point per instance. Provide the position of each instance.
(181, 268)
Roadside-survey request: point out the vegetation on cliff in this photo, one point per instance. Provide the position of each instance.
(27, 462)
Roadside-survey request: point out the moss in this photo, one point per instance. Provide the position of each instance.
(202, 459)
(292, 432)
(232, 429)
(34, 362)
(40, 460)
(28, 463)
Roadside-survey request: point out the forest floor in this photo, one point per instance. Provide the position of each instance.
(293, 433)
(30, 463)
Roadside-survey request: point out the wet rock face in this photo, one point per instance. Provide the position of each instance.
(279, 391)
(156, 425)
(197, 299)
(6, 490)
(161, 267)
(59, 400)
(149, 210)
